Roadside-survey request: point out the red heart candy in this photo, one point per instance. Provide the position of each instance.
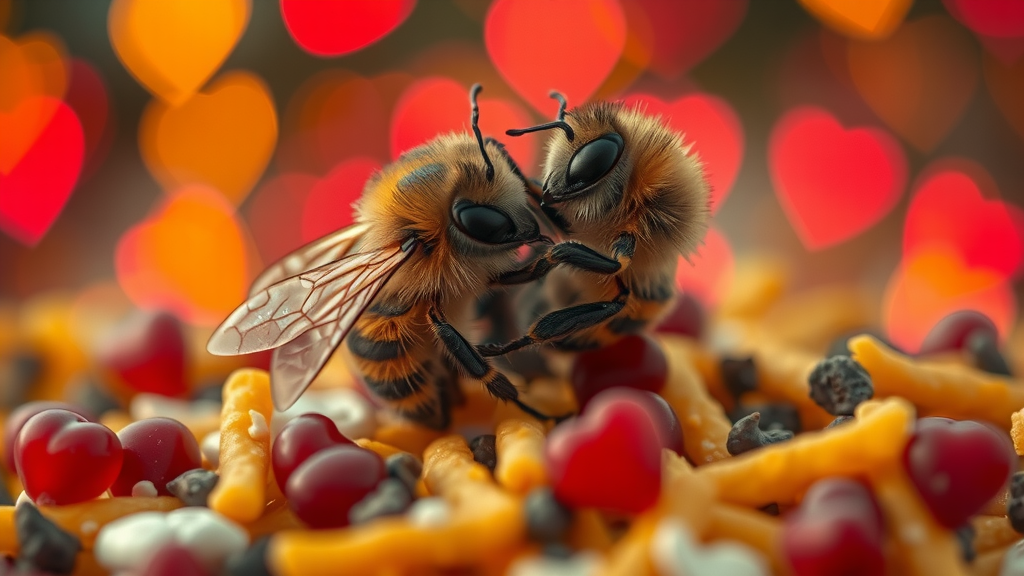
(62, 458)
(634, 361)
(328, 206)
(582, 41)
(688, 31)
(608, 458)
(957, 467)
(336, 28)
(832, 182)
(35, 190)
(148, 353)
(666, 422)
(300, 438)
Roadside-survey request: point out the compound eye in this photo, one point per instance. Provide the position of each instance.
(484, 223)
(595, 159)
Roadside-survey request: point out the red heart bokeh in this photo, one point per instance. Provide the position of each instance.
(949, 208)
(995, 18)
(708, 273)
(328, 206)
(711, 125)
(34, 192)
(688, 31)
(87, 96)
(147, 353)
(342, 26)
(833, 183)
(275, 214)
(438, 105)
(568, 45)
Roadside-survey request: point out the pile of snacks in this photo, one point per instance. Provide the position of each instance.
(762, 440)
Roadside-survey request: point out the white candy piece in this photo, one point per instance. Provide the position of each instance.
(129, 542)
(208, 535)
(210, 448)
(674, 552)
(1013, 561)
(258, 430)
(351, 412)
(23, 497)
(144, 489)
(580, 564)
(429, 512)
(148, 405)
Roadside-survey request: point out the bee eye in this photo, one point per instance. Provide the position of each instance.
(484, 223)
(595, 159)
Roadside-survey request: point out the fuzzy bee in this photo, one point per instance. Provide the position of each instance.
(432, 231)
(618, 182)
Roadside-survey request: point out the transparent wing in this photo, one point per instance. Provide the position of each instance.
(313, 255)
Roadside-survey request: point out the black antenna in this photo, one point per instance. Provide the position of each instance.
(558, 123)
(475, 118)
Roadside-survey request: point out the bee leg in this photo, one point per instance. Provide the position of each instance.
(571, 253)
(561, 323)
(476, 366)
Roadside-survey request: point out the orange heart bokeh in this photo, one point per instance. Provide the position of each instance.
(1006, 85)
(919, 80)
(191, 256)
(708, 273)
(569, 45)
(712, 127)
(173, 48)
(222, 137)
(866, 19)
(438, 105)
(934, 282)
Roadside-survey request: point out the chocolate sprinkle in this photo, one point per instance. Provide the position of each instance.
(965, 536)
(770, 509)
(746, 435)
(193, 487)
(405, 467)
(984, 350)
(1015, 505)
(18, 374)
(547, 519)
(774, 416)
(838, 384)
(484, 450)
(44, 545)
(739, 375)
(840, 420)
(92, 395)
(391, 498)
(252, 562)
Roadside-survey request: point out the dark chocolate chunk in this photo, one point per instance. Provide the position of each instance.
(405, 467)
(193, 487)
(746, 435)
(252, 562)
(839, 421)
(983, 348)
(211, 390)
(965, 536)
(391, 498)
(774, 416)
(557, 550)
(739, 375)
(484, 450)
(770, 509)
(18, 374)
(838, 384)
(44, 545)
(1015, 505)
(5, 496)
(91, 394)
(547, 519)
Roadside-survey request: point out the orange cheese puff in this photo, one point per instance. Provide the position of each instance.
(704, 423)
(86, 565)
(813, 318)
(588, 531)
(406, 436)
(684, 494)
(990, 562)
(757, 284)
(780, 472)
(631, 555)
(1017, 431)
(116, 420)
(520, 456)
(921, 545)
(383, 450)
(782, 374)
(958, 392)
(992, 532)
(707, 364)
(240, 493)
(751, 527)
(84, 520)
(485, 523)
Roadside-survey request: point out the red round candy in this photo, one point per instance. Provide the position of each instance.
(62, 458)
(958, 467)
(22, 413)
(685, 319)
(158, 450)
(951, 333)
(173, 559)
(324, 488)
(634, 361)
(148, 353)
(666, 423)
(299, 439)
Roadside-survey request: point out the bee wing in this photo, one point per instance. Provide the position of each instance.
(295, 365)
(312, 255)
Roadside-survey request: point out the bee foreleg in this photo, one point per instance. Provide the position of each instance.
(570, 253)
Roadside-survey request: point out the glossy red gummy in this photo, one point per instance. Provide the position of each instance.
(62, 458)
(324, 487)
(158, 450)
(607, 458)
(685, 319)
(634, 361)
(950, 333)
(836, 531)
(22, 413)
(299, 439)
(148, 353)
(666, 423)
(957, 466)
(173, 559)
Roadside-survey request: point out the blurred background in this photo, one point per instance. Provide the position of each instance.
(167, 151)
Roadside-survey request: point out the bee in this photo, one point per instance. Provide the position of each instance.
(432, 230)
(622, 183)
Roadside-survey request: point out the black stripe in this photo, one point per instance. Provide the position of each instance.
(624, 245)
(389, 309)
(396, 389)
(419, 176)
(376, 350)
(626, 325)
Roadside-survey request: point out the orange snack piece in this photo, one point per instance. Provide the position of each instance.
(520, 449)
(757, 284)
(992, 532)
(990, 562)
(704, 423)
(751, 527)
(486, 523)
(812, 318)
(782, 374)
(781, 472)
(383, 450)
(1017, 431)
(958, 392)
(240, 493)
(631, 555)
